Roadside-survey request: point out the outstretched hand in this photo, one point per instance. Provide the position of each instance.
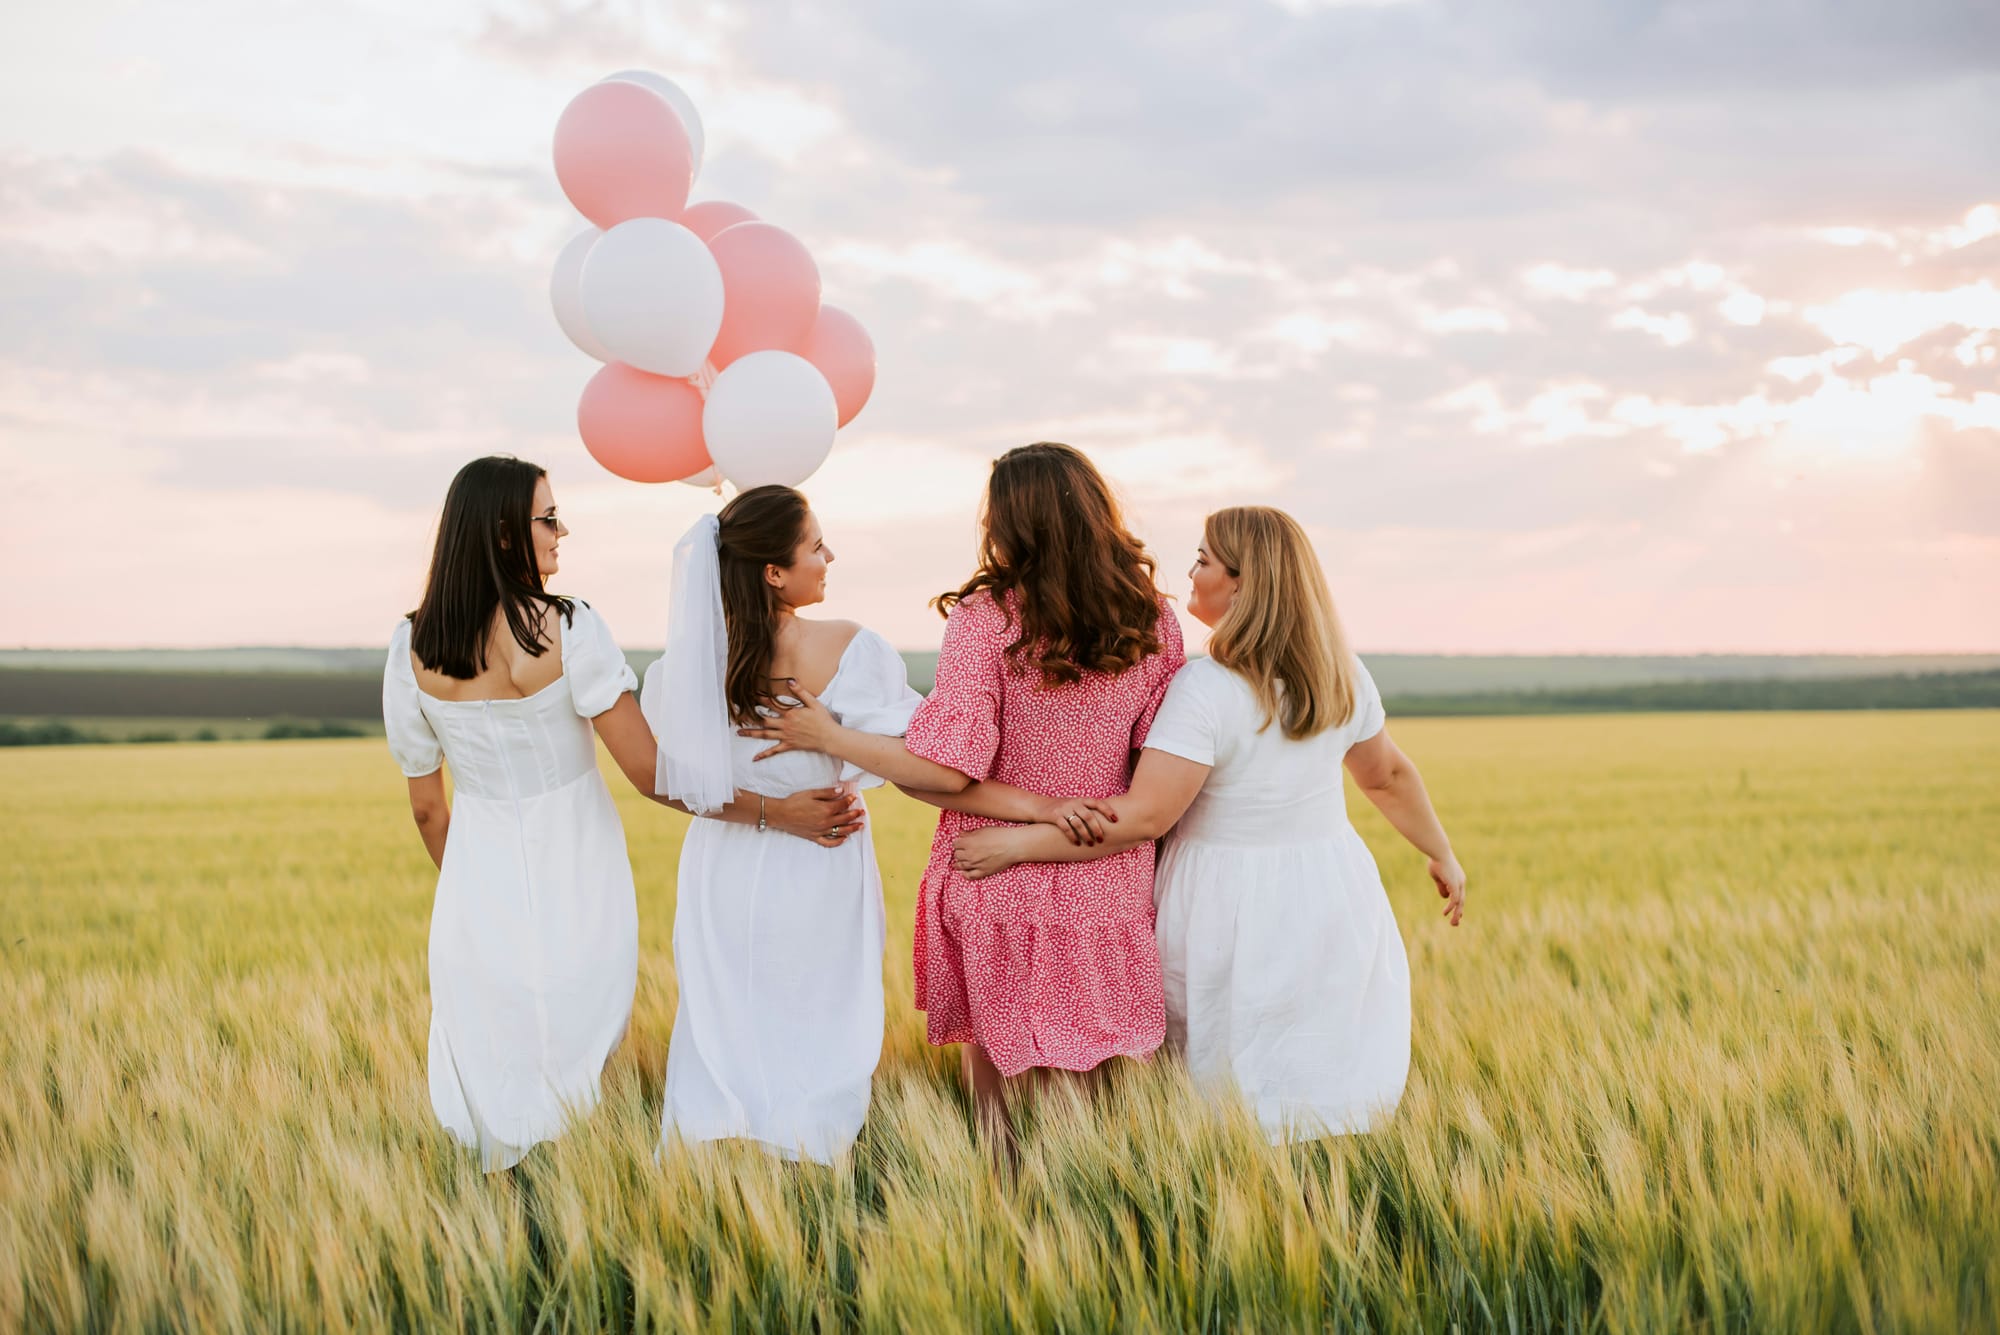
(1449, 878)
(796, 721)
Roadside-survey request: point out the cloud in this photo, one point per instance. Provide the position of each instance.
(1466, 320)
(1884, 321)
(961, 273)
(1672, 330)
(1522, 307)
(1557, 280)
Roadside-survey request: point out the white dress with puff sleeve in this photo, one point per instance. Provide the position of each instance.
(534, 931)
(1285, 972)
(778, 945)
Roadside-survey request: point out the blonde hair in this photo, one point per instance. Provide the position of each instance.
(1281, 633)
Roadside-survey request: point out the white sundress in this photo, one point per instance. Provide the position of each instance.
(535, 930)
(1285, 973)
(778, 947)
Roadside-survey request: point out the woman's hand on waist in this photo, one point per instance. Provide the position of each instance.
(1082, 820)
(825, 816)
(987, 850)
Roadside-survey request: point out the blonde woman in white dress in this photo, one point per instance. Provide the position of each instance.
(777, 944)
(534, 931)
(1286, 978)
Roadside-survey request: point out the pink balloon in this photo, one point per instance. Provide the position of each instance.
(622, 153)
(712, 215)
(842, 351)
(645, 428)
(770, 291)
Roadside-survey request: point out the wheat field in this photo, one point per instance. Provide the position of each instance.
(1716, 1048)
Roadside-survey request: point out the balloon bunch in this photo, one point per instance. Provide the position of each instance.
(720, 361)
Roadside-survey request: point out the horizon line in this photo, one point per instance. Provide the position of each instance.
(903, 649)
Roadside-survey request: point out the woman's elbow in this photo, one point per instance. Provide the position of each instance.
(430, 816)
(938, 779)
(1388, 779)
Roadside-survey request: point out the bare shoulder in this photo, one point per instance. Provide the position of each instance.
(823, 637)
(817, 650)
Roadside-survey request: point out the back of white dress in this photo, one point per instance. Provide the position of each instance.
(1285, 973)
(778, 948)
(534, 931)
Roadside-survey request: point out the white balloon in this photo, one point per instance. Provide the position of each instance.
(770, 417)
(682, 104)
(566, 294)
(707, 479)
(652, 295)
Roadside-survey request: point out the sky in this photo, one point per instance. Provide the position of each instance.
(1562, 325)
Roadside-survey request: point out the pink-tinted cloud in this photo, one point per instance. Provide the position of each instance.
(1551, 348)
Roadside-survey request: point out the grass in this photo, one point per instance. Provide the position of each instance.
(1714, 1049)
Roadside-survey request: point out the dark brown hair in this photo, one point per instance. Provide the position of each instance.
(761, 527)
(484, 561)
(1053, 535)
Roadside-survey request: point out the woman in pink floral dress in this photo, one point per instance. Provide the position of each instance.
(1056, 654)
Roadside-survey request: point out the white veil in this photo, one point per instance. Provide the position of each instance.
(684, 691)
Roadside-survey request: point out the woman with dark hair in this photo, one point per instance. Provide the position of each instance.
(777, 944)
(1056, 653)
(534, 932)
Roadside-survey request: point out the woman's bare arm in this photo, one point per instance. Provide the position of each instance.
(810, 726)
(1162, 788)
(432, 812)
(629, 739)
(826, 816)
(1076, 817)
(1389, 779)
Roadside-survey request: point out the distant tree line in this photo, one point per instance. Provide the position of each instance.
(60, 732)
(38, 700)
(1937, 690)
(109, 693)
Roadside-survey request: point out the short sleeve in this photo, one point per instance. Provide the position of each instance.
(1189, 724)
(959, 724)
(872, 693)
(411, 740)
(1368, 717)
(1163, 667)
(597, 671)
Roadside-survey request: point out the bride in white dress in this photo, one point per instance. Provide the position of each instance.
(534, 931)
(1286, 978)
(777, 943)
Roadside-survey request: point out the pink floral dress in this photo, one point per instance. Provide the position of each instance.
(1048, 963)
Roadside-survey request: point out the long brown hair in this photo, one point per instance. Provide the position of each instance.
(484, 562)
(1052, 533)
(1281, 633)
(761, 527)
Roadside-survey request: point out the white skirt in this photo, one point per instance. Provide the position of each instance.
(778, 953)
(1286, 980)
(534, 956)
